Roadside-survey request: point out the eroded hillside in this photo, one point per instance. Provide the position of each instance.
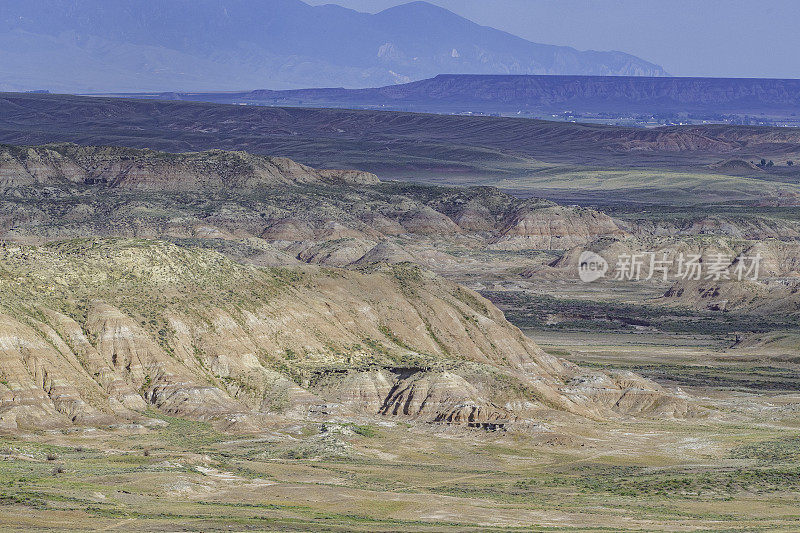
(234, 195)
(125, 168)
(203, 338)
(275, 212)
(327, 296)
(98, 331)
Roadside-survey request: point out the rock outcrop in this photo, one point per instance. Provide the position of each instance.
(441, 397)
(554, 228)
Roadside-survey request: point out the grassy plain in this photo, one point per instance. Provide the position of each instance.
(717, 474)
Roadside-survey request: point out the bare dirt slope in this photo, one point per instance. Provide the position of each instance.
(99, 330)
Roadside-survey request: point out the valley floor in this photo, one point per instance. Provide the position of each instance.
(727, 462)
(736, 470)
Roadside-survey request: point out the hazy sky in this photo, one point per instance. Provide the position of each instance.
(738, 38)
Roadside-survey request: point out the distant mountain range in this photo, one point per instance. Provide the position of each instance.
(204, 45)
(491, 94)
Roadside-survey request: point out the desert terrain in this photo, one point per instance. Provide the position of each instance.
(207, 339)
(399, 266)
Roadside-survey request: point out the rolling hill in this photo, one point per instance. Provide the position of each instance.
(379, 141)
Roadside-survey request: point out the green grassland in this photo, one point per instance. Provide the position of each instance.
(395, 477)
(653, 187)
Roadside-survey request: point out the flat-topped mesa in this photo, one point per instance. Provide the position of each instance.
(129, 168)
